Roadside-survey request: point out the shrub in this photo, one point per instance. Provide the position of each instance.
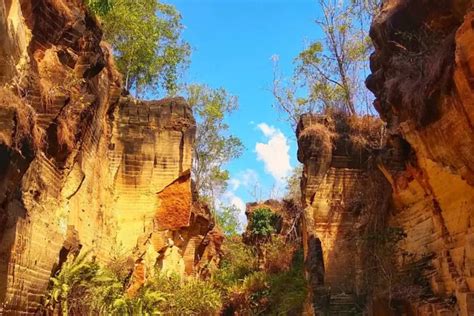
(278, 255)
(83, 286)
(288, 290)
(173, 296)
(238, 261)
(251, 295)
(262, 222)
(70, 282)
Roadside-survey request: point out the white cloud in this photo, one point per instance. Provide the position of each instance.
(275, 153)
(267, 130)
(230, 198)
(234, 183)
(245, 179)
(249, 177)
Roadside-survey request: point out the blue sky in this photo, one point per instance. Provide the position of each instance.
(233, 42)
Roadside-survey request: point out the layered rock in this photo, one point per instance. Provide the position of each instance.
(338, 177)
(82, 167)
(422, 76)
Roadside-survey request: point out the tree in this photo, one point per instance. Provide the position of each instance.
(228, 220)
(213, 147)
(293, 186)
(99, 7)
(262, 223)
(330, 73)
(146, 39)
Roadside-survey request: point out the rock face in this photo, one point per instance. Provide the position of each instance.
(422, 76)
(338, 179)
(82, 167)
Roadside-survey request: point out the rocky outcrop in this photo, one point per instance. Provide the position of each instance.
(422, 77)
(340, 188)
(287, 217)
(84, 167)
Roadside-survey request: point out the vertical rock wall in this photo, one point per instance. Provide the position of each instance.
(336, 180)
(422, 76)
(82, 167)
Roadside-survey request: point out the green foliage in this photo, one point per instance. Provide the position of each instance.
(288, 289)
(174, 296)
(330, 73)
(213, 147)
(228, 220)
(262, 222)
(72, 276)
(146, 40)
(83, 286)
(99, 7)
(238, 261)
(250, 291)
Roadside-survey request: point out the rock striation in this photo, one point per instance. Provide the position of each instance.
(83, 166)
(339, 189)
(422, 77)
(418, 181)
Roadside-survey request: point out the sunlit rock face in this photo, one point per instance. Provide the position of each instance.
(422, 76)
(84, 167)
(338, 182)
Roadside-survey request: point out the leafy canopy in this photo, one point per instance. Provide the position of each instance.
(146, 39)
(228, 220)
(214, 146)
(330, 73)
(262, 222)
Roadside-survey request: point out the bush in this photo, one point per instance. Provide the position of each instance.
(288, 290)
(83, 286)
(173, 296)
(262, 222)
(238, 261)
(278, 255)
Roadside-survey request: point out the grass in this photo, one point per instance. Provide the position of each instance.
(26, 127)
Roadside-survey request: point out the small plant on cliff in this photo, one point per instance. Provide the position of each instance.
(262, 223)
(70, 278)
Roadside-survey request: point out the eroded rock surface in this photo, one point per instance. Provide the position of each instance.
(422, 76)
(82, 166)
(338, 179)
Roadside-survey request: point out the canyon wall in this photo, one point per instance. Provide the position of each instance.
(83, 166)
(338, 184)
(422, 77)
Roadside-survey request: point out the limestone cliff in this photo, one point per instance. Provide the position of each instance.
(82, 166)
